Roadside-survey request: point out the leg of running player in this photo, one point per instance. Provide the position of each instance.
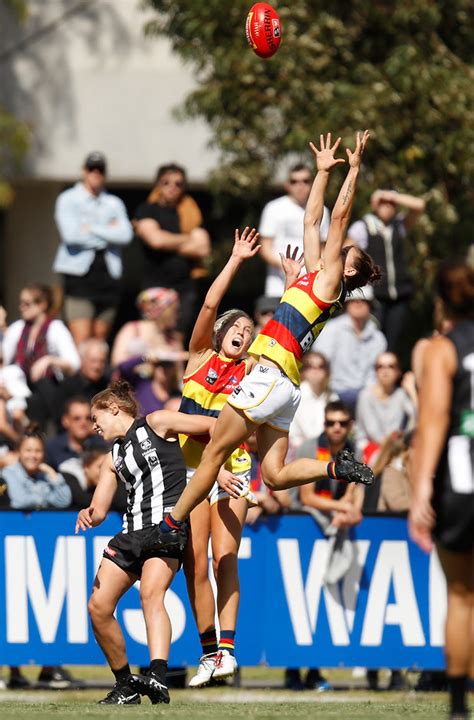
(196, 569)
(110, 584)
(272, 449)
(227, 522)
(157, 575)
(231, 429)
(459, 645)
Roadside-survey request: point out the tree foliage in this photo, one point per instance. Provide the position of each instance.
(14, 135)
(402, 68)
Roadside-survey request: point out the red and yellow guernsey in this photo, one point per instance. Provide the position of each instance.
(297, 322)
(205, 392)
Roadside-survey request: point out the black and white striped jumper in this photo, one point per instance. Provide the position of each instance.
(154, 474)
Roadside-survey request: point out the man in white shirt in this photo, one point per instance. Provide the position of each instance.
(281, 224)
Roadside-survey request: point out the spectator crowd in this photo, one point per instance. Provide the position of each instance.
(57, 355)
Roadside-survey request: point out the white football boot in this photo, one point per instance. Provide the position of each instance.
(225, 665)
(205, 671)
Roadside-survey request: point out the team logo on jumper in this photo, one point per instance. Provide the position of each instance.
(272, 342)
(233, 379)
(145, 444)
(263, 368)
(211, 376)
(307, 341)
(236, 391)
(118, 463)
(152, 459)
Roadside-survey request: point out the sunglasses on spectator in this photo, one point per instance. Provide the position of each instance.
(315, 367)
(296, 181)
(176, 183)
(386, 366)
(342, 423)
(28, 303)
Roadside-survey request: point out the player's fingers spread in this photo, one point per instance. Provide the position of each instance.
(336, 144)
(313, 148)
(301, 259)
(256, 249)
(321, 142)
(288, 251)
(328, 141)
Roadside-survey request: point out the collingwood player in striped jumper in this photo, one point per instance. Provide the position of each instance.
(443, 471)
(145, 456)
(267, 399)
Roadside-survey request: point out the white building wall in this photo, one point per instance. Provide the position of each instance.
(85, 77)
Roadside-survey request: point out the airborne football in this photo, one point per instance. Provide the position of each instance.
(263, 29)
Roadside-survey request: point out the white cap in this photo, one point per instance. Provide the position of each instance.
(362, 293)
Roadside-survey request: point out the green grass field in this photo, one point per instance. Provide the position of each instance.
(227, 702)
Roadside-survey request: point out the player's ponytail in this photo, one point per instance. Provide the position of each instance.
(367, 273)
(120, 393)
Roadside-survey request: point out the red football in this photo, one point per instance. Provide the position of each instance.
(263, 29)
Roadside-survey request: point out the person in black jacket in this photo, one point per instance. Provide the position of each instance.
(382, 233)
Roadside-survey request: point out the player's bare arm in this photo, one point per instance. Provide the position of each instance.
(325, 162)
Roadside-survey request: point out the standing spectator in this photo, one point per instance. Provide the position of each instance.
(385, 407)
(336, 501)
(155, 332)
(351, 343)
(32, 484)
(42, 347)
(169, 226)
(442, 508)
(91, 377)
(308, 422)
(381, 233)
(93, 226)
(281, 225)
(77, 425)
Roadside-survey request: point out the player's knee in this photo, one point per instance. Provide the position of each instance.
(150, 598)
(223, 561)
(271, 480)
(98, 611)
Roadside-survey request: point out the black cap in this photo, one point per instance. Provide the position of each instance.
(266, 304)
(96, 161)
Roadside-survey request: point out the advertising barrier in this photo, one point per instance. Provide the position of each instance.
(387, 611)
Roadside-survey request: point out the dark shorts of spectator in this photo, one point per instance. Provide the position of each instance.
(126, 551)
(94, 295)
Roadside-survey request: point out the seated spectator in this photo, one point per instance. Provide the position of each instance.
(91, 377)
(384, 407)
(82, 476)
(263, 312)
(77, 424)
(153, 378)
(4, 498)
(351, 343)
(391, 467)
(32, 484)
(155, 332)
(332, 496)
(42, 347)
(308, 422)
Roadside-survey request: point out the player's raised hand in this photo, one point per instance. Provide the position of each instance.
(291, 264)
(245, 245)
(356, 156)
(84, 519)
(324, 155)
